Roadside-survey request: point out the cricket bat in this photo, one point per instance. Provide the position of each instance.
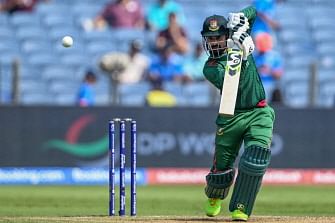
(231, 81)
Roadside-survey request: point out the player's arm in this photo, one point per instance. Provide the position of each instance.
(250, 13)
(214, 73)
(240, 23)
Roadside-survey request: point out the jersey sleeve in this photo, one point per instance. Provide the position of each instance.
(251, 13)
(214, 73)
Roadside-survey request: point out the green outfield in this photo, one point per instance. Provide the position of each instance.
(174, 201)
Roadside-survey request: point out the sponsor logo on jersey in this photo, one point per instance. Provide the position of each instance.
(220, 131)
(234, 61)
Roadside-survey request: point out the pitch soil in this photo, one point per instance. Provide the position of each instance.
(161, 219)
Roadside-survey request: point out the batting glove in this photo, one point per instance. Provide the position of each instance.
(245, 43)
(230, 43)
(238, 22)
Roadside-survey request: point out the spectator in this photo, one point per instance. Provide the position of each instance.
(12, 6)
(134, 64)
(158, 14)
(194, 64)
(269, 63)
(86, 95)
(121, 14)
(166, 68)
(138, 64)
(265, 21)
(158, 97)
(174, 36)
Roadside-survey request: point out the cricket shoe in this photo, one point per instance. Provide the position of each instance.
(239, 215)
(213, 207)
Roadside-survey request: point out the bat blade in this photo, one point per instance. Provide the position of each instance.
(231, 81)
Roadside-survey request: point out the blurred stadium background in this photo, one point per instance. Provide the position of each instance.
(47, 70)
(44, 133)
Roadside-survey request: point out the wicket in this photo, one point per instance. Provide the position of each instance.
(122, 169)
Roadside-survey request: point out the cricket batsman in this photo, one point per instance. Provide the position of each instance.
(252, 122)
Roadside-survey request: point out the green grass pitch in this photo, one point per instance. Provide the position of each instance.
(171, 200)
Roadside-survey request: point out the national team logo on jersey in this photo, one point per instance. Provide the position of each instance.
(213, 25)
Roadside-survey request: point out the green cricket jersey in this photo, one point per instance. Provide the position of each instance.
(250, 90)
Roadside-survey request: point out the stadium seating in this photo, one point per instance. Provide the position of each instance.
(197, 94)
(54, 72)
(3, 19)
(31, 33)
(25, 19)
(327, 94)
(28, 73)
(35, 37)
(65, 99)
(133, 94)
(57, 20)
(296, 94)
(36, 99)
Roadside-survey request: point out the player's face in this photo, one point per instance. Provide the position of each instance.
(215, 45)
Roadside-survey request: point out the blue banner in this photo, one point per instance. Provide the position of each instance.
(65, 176)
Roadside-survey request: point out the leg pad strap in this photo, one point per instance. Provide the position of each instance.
(218, 184)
